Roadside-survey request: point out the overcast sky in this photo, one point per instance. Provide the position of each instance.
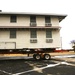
(47, 6)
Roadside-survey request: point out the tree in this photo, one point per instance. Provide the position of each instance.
(73, 44)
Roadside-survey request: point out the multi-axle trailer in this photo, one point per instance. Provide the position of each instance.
(42, 53)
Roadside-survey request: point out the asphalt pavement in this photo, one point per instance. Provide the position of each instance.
(32, 67)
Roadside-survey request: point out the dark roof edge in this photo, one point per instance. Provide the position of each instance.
(31, 13)
(60, 16)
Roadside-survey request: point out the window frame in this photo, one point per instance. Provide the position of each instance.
(13, 18)
(12, 34)
(32, 19)
(48, 33)
(33, 33)
(47, 19)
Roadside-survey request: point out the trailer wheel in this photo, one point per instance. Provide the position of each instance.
(47, 56)
(37, 56)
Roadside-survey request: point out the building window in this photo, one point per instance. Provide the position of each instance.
(48, 33)
(33, 33)
(12, 33)
(32, 20)
(47, 19)
(13, 19)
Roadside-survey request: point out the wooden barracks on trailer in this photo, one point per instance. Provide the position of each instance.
(34, 33)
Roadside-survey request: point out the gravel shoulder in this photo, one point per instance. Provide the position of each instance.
(62, 53)
(63, 58)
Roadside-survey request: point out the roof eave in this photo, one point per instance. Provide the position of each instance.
(60, 16)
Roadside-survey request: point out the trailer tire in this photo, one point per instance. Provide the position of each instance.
(47, 57)
(37, 56)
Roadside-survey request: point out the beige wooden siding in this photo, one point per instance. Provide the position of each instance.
(25, 21)
(7, 45)
(54, 21)
(2, 45)
(23, 39)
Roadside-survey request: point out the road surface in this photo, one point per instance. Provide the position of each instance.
(58, 65)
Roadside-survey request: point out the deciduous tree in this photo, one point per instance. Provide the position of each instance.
(73, 44)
